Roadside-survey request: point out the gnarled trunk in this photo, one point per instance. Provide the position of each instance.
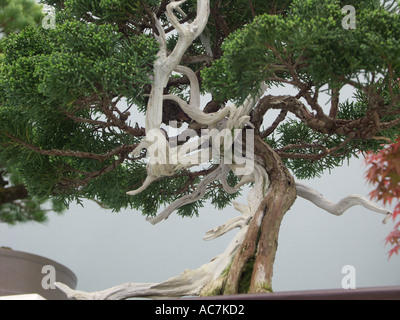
(246, 266)
(252, 266)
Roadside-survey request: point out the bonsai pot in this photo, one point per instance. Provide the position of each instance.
(25, 273)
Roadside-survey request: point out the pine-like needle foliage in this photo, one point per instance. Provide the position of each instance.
(67, 94)
(309, 49)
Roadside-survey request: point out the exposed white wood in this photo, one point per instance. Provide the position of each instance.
(189, 282)
(193, 282)
(340, 207)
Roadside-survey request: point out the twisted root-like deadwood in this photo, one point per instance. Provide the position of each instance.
(247, 263)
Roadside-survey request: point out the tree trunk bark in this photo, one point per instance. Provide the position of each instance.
(252, 267)
(8, 195)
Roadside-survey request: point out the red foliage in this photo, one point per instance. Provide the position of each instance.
(384, 173)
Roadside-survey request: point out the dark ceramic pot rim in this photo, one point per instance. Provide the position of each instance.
(23, 273)
(38, 259)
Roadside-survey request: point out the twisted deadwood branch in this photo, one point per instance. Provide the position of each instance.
(343, 205)
(210, 277)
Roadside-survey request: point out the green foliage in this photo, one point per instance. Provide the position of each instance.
(15, 15)
(123, 14)
(57, 86)
(31, 209)
(312, 33)
(47, 73)
(76, 60)
(91, 58)
(294, 133)
(309, 35)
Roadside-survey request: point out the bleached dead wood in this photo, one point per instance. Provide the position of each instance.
(190, 282)
(210, 276)
(340, 207)
(193, 282)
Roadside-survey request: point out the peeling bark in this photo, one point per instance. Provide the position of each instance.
(257, 253)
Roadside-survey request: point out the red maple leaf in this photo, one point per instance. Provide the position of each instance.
(384, 174)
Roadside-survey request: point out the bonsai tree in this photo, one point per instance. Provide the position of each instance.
(202, 72)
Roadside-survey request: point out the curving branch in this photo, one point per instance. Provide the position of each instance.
(194, 85)
(198, 115)
(165, 64)
(149, 179)
(339, 208)
(119, 151)
(267, 182)
(204, 38)
(210, 276)
(237, 222)
(190, 198)
(163, 67)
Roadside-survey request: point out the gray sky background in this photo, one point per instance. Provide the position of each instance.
(106, 249)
